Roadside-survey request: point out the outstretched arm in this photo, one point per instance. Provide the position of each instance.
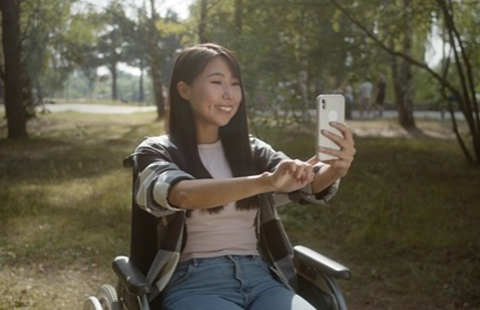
(290, 175)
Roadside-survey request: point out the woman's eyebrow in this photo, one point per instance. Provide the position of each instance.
(216, 74)
(220, 74)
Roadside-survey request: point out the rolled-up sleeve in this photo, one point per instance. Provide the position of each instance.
(158, 174)
(305, 195)
(153, 187)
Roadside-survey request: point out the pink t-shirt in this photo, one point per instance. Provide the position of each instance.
(228, 232)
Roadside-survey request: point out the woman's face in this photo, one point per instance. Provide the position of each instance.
(214, 96)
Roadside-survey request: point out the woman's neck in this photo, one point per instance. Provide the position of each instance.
(208, 136)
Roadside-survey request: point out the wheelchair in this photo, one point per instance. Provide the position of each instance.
(317, 274)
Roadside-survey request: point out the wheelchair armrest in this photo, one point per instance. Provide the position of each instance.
(130, 277)
(310, 259)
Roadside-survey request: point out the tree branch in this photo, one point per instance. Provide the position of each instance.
(390, 50)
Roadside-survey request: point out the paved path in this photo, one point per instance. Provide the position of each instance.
(391, 114)
(417, 114)
(97, 108)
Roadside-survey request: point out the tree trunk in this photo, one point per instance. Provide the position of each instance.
(403, 78)
(238, 17)
(113, 72)
(141, 95)
(39, 89)
(202, 24)
(155, 65)
(28, 102)
(15, 110)
(158, 89)
(402, 81)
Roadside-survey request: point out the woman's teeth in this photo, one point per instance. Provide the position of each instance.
(226, 109)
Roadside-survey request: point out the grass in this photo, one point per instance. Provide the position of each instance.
(405, 221)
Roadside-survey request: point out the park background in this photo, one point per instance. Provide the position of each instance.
(406, 218)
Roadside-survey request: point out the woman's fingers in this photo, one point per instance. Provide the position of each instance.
(347, 150)
(345, 142)
(302, 171)
(294, 173)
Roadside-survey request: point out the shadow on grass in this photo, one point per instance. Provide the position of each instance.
(65, 195)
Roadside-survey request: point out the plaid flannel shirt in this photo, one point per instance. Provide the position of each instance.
(158, 160)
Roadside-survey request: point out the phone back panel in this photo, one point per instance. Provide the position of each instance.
(330, 108)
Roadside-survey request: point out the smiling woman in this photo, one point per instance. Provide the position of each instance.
(218, 183)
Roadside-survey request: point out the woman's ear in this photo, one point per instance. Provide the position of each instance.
(184, 90)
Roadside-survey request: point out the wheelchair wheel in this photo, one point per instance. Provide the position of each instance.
(108, 298)
(92, 303)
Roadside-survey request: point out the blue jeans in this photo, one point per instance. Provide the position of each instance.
(228, 283)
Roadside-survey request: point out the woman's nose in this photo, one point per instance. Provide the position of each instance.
(227, 92)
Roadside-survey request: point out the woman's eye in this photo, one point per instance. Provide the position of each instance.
(216, 82)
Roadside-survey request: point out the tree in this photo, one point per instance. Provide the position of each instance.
(393, 37)
(113, 42)
(154, 60)
(202, 23)
(43, 24)
(238, 17)
(139, 47)
(15, 110)
(402, 70)
(75, 48)
(465, 93)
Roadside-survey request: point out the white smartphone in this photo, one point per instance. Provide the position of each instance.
(330, 108)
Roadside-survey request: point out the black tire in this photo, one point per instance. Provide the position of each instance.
(108, 298)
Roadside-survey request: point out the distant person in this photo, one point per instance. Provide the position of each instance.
(380, 94)
(365, 96)
(349, 101)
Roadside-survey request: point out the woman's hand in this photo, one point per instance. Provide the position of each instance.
(345, 154)
(291, 175)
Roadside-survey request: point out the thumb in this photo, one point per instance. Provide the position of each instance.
(313, 161)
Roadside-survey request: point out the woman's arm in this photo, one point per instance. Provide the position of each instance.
(290, 175)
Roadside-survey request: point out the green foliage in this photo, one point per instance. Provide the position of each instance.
(42, 25)
(311, 39)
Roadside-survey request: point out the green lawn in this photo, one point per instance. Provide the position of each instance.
(406, 220)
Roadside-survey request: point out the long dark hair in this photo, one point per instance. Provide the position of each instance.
(180, 123)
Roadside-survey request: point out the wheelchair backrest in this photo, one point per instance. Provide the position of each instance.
(143, 235)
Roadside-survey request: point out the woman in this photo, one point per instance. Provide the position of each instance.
(228, 249)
